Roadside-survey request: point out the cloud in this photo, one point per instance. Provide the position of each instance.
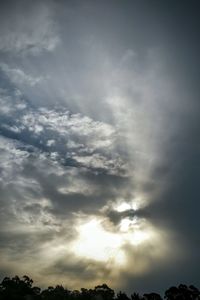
(71, 139)
(27, 28)
(11, 158)
(19, 77)
(71, 167)
(8, 108)
(114, 124)
(54, 165)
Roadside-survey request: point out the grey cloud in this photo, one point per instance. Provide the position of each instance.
(18, 76)
(116, 118)
(70, 268)
(115, 216)
(28, 29)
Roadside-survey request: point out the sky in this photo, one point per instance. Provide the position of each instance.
(100, 142)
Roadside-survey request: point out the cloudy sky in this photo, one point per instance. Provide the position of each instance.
(100, 142)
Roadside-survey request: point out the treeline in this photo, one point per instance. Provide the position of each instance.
(23, 289)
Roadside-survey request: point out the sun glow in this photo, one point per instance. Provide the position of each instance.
(127, 224)
(99, 244)
(96, 243)
(123, 205)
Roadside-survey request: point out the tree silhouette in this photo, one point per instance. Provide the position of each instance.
(104, 291)
(17, 288)
(23, 289)
(135, 296)
(152, 296)
(55, 293)
(122, 296)
(182, 292)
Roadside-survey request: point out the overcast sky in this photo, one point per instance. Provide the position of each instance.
(100, 142)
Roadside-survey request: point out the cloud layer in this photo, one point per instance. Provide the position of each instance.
(99, 143)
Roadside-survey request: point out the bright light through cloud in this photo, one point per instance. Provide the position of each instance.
(96, 243)
(99, 141)
(123, 206)
(99, 244)
(126, 224)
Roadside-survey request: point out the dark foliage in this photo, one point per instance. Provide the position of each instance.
(23, 289)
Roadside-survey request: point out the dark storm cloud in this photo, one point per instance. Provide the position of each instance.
(100, 104)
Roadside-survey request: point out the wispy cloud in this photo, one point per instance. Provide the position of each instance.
(19, 77)
(29, 29)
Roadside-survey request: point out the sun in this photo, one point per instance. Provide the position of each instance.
(94, 242)
(131, 205)
(123, 206)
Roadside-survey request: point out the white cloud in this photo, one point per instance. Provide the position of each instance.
(11, 159)
(50, 143)
(78, 186)
(78, 136)
(67, 138)
(11, 103)
(113, 165)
